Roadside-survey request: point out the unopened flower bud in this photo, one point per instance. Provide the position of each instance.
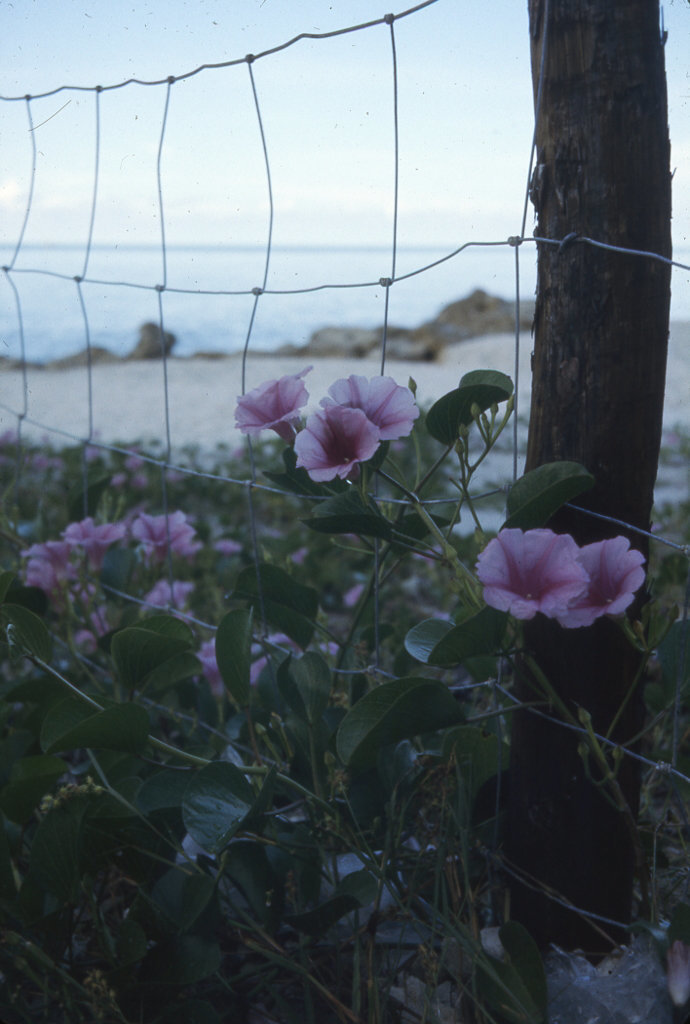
(678, 973)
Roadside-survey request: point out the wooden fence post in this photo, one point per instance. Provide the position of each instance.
(600, 339)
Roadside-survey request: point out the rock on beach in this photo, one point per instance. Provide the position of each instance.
(474, 316)
(477, 315)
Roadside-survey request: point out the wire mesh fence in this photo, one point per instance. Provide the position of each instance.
(89, 286)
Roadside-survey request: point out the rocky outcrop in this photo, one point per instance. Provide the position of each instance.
(481, 313)
(335, 341)
(149, 344)
(478, 314)
(95, 353)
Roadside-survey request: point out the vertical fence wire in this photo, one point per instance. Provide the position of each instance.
(32, 182)
(22, 414)
(80, 296)
(258, 292)
(386, 284)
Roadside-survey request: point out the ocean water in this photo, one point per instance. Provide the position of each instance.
(306, 288)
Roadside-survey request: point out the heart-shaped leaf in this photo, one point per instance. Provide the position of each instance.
(216, 803)
(349, 513)
(287, 605)
(423, 638)
(535, 497)
(481, 388)
(25, 631)
(139, 650)
(122, 727)
(479, 634)
(30, 778)
(312, 678)
(233, 652)
(516, 985)
(392, 712)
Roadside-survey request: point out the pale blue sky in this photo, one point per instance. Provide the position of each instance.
(465, 115)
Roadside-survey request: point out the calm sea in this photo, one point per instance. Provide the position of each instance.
(306, 288)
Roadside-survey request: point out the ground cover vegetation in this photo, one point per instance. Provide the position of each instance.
(256, 714)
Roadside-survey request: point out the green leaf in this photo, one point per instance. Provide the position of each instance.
(30, 779)
(123, 727)
(5, 583)
(8, 880)
(356, 890)
(182, 960)
(483, 388)
(312, 677)
(349, 513)
(437, 642)
(523, 955)
(163, 790)
(216, 803)
(674, 646)
(476, 754)
(109, 806)
(289, 606)
(516, 986)
(411, 529)
(182, 897)
(174, 670)
(139, 650)
(479, 634)
(81, 505)
(679, 927)
(118, 564)
(249, 868)
(317, 921)
(295, 480)
(65, 713)
(233, 653)
(287, 688)
(26, 631)
(169, 625)
(392, 712)
(422, 638)
(189, 1011)
(56, 850)
(131, 943)
(360, 884)
(16, 743)
(535, 497)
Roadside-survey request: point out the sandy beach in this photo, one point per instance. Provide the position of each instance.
(127, 401)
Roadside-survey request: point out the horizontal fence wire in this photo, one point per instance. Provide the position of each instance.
(168, 460)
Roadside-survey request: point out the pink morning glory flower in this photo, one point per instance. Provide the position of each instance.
(153, 532)
(226, 546)
(207, 656)
(390, 406)
(48, 566)
(352, 596)
(334, 440)
(97, 626)
(678, 972)
(615, 573)
(273, 405)
(165, 596)
(95, 540)
(278, 642)
(532, 571)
